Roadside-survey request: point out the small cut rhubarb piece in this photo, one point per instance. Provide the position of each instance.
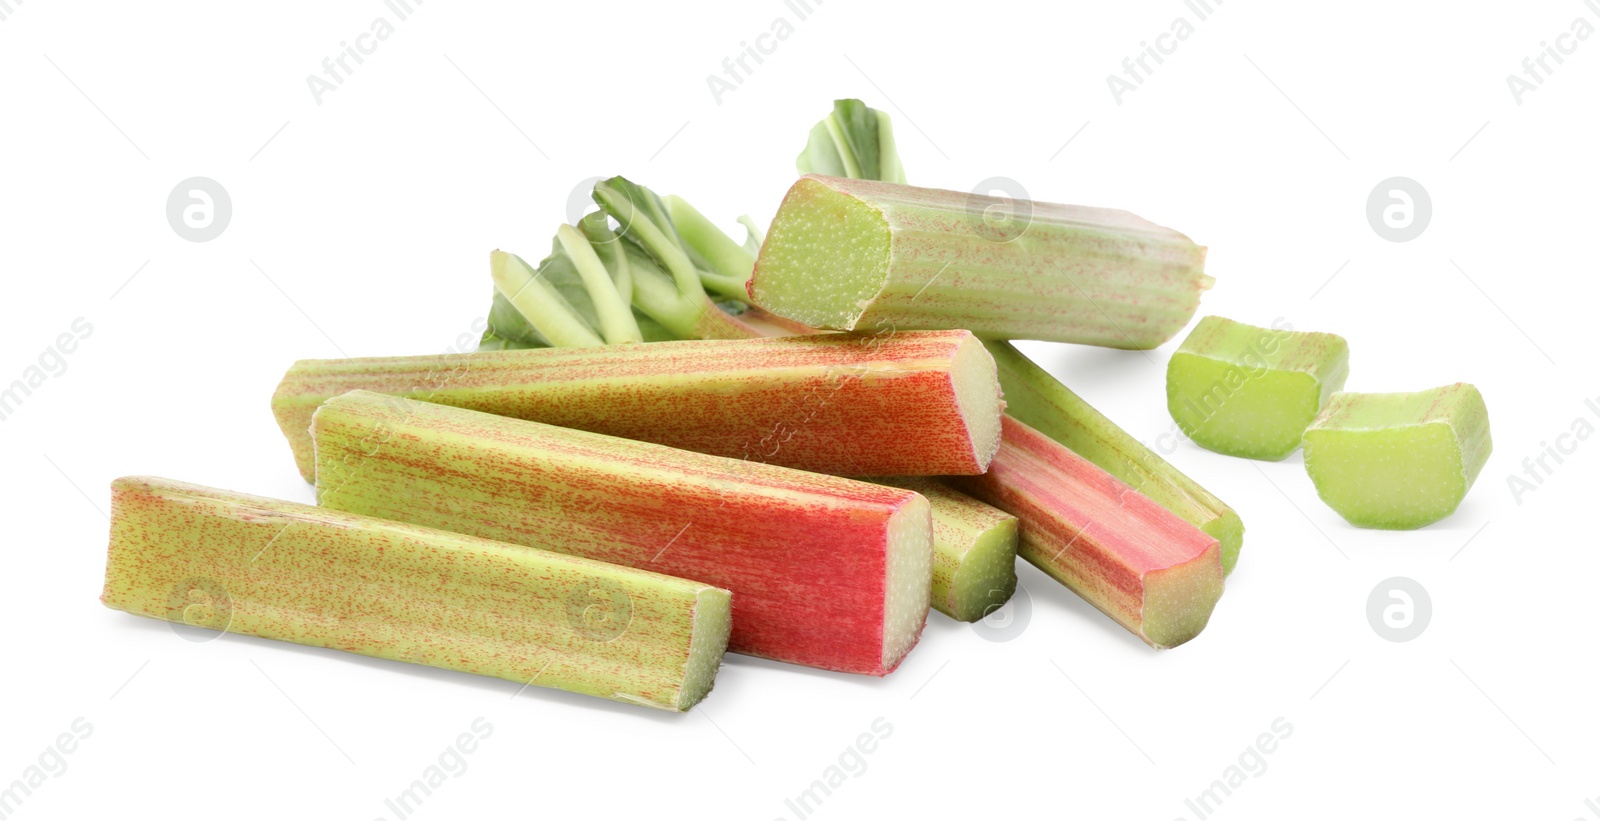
(827, 572)
(1246, 391)
(866, 255)
(916, 404)
(1154, 573)
(1039, 400)
(279, 570)
(974, 550)
(1398, 461)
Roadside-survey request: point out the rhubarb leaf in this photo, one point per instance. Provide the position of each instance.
(508, 330)
(853, 141)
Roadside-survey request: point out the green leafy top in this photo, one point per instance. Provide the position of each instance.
(853, 141)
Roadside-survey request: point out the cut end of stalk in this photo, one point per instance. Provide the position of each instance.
(817, 222)
(906, 588)
(977, 390)
(1178, 600)
(1398, 461)
(988, 574)
(1247, 391)
(712, 621)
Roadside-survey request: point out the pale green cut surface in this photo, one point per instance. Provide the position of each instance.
(1398, 461)
(825, 258)
(1246, 391)
(712, 622)
(1261, 419)
(1178, 600)
(988, 574)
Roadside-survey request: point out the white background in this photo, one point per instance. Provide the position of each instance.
(361, 226)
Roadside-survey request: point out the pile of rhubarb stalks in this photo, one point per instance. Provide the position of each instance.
(673, 444)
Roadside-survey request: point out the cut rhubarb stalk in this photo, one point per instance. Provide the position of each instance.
(1398, 461)
(1151, 571)
(861, 254)
(826, 572)
(974, 550)
(261, 567)
(918, 404)
(1039, 400)
(1246, 391)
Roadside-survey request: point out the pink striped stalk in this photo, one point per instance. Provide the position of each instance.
(1154, 573)
(280, 570)
(892, 404)
(826, 572)
(850, 254)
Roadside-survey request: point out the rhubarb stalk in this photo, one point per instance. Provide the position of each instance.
(851, 254)
(919, 403)
(1398, 461)
(826, 572)
(1040, 401)
(1246, 391)
(279, 570)
(1140, 564)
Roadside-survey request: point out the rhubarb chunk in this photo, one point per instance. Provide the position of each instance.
(1039, 400)
(1398, 461)
(261, 567)
(1246, 391)
(827, 572)
(866, 255)
(974, 550)
(903, 404)
(1154, 573)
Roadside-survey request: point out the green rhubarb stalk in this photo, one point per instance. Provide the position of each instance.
(865, 255)
(727, 264)
(827, 572)
(279, 570)
(974, 550)
(1039, 400)
(1246, 391)
(1398, 461)
(1155, 574)
(914, 403)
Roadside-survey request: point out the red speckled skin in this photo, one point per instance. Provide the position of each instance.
(1085, 527)
(804, 554)
(883, 405)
